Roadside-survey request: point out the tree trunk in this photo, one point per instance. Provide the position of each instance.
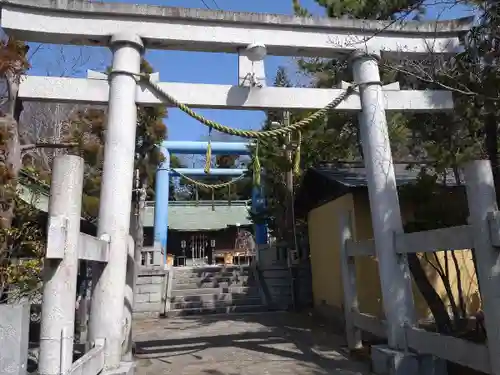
(461, 297)
(436, 305)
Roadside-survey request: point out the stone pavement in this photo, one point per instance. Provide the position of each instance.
(253, 344)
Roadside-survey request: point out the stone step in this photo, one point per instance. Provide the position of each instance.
(207, 279)
(210, 273)
(211, 285)
(217, 310)
(188, 276)
(216, 304)
(214, 297)
(252, 290)
(187, 270)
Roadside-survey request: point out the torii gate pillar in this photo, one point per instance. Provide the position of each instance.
(116, 196)
(384, 204)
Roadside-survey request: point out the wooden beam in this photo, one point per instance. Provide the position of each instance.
(369, 323)
(89, 247)
(450, 348)
(93, 249)
(91, 362)
(431, 241)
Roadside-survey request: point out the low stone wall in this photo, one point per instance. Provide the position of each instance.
(149, 299)
(276, 284)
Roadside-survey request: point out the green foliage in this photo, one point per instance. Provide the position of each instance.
(431, 201)
(151, 131)
(175, 162)
(21, 235)
(240, 190)
(22, 242)
(23, 245)
(365, 9)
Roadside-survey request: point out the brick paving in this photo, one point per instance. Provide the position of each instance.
(252, 344)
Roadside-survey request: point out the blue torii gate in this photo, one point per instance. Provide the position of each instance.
(164, 173)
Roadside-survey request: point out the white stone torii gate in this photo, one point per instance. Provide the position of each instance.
(129, 29)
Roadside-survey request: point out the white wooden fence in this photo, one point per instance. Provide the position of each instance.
(482, 234)
(65, 247)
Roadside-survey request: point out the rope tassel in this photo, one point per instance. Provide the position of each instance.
(208, 161)
(296, 162)
(213, 199)
(256, 166)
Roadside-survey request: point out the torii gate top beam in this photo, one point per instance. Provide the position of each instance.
(92, 23)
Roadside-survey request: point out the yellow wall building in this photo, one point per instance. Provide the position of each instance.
(325, 253)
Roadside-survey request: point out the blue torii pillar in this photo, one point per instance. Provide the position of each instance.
(163, 183)
(258, 205)
(162, 197)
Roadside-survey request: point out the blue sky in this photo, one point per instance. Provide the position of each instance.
(194, 67)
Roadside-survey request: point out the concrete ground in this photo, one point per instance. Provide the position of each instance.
(256, 344)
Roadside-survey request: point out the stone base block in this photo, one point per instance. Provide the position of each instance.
(14, 338)
(386, 361)
(146, 315)
(126, 368)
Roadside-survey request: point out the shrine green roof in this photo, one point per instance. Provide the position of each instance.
(202, 216)
(183, 215)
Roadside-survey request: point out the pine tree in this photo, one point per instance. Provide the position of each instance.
(238, 190)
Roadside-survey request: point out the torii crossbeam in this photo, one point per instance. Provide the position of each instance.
(92, 23)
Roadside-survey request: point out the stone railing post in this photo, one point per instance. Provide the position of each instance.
(481, 199)
(59, 290)
(348, 273)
